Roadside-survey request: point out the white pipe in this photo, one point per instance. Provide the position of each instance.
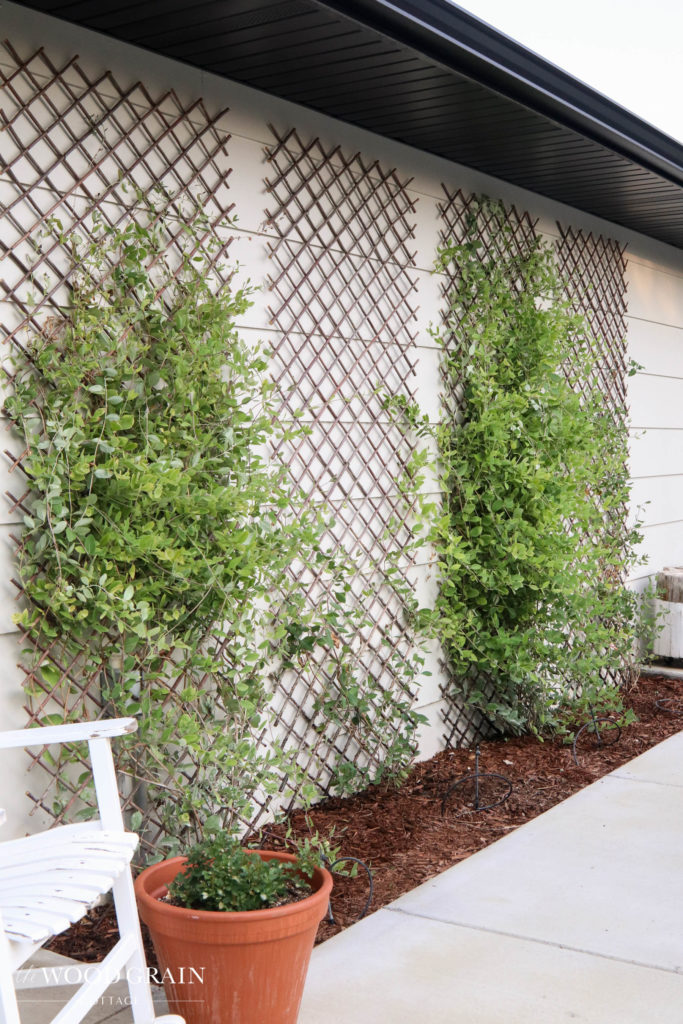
(655, 670)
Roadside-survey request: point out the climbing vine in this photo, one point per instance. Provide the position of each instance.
(156, 555)
(531, 540)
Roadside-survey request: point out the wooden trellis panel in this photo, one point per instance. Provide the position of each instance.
(76, 149)
(504, 239)
(457, 210)
(594, 271)
(341, 301)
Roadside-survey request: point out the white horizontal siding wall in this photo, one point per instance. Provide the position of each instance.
(655, 333)
(655, 300)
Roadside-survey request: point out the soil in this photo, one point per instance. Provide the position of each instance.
(408, 834)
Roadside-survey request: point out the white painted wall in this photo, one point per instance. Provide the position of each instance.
(655, 318)
(655, 333)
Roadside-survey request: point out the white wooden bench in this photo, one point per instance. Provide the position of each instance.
(50, 880)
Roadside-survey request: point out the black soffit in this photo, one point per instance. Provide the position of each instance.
(428, 74)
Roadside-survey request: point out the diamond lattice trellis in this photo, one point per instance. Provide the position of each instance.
(594, 271)
(457, 211)
(77, 150)
(341, 303)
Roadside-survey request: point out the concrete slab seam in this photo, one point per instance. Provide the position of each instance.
(541, 942)
(647, 782)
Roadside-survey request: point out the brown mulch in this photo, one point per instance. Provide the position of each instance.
(404, 836)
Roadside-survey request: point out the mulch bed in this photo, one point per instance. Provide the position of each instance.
(403, 835)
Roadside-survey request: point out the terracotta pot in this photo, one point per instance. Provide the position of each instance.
(222, 967)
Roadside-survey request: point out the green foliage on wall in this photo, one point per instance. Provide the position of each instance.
(157, 553)
(531, 539)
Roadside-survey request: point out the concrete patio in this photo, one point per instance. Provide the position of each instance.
(576, 916)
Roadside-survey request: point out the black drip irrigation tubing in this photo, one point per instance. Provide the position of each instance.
(476, 777)
(594, 724)
(361, 863)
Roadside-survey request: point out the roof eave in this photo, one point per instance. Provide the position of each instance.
(460, 42)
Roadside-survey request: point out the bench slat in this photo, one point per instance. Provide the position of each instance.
(49, 881)
(70, 732)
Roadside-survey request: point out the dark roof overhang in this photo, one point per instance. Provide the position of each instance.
(426, 73)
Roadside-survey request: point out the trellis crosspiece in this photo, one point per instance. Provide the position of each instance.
(50, 880)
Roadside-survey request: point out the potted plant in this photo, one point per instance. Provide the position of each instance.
(233, 930)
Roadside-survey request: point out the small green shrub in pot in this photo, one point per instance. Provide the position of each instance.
(220, 874)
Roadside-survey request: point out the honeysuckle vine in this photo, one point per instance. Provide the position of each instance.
(157, 553)
(531, 539)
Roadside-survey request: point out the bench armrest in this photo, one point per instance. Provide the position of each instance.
(72, 732)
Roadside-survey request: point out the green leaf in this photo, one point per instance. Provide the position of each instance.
(90, 544)
(50, 675)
